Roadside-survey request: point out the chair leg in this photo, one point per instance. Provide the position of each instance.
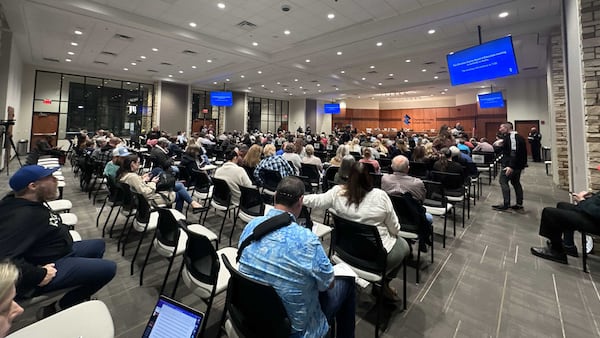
(404, 283)
(106, 221)
(112, 226)
(137, 249)
(223, 223)
(177, 280)
(235, 218)
(100, 212)
(432, 243)
(145, 261)
(584, 251)
(418, 259)
(445, 223)
(171, 259)
(123, 232)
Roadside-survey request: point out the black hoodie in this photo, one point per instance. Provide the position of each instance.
(31, 236)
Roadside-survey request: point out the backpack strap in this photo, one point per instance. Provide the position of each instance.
(264, 228)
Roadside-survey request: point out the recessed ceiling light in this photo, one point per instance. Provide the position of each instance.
(436, 77)
(445, 89)
(342, 71)
(379, 83)
(259, 72)
(155, 49)
(336, 88)
(339, 53)
(68, 60)
(254, 43)
(242, 76)
(307, 60)
(278, 82)
(285, 89)
(209, 60)
(443, 93)
(77, 32)
(215, 82)
(379, 44)
(319, 90)
(372, 67)
(295, 80)
(271, 91)
(133, 63)
(74, 44)
(405, 80)
(262, 85)
(170, 75)
(291, 94)
(193, 24)
(221, 5)
(126, 69)
(407, 60)
(431, 31)
(503, 15)
(330, 16)
(423, 70)
(300, 87)
(390, 75)
(70, 53)
(249, 87)
(364, 78)
(318, 85)
(286, 32)
(142, 57)
(227, 80)
(181, 72)
(194, 67)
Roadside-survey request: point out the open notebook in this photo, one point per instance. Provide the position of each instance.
(173, 319)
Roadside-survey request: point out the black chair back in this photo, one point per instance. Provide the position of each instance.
(329, 177)
(376, 179)
(410, 214)
(450, 181)
(311, 171)
(435, 195)
(167, 230)
(385, 164)
(142, 207)
(270, 178)
(255, 308)
(369, 166)
(202, 181)
(251, 201)
(417, 169)
(359, 245)
(201, 259)
(221, 192)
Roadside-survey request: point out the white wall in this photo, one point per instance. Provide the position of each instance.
(297, 114)
(323, 120)
(362, 104)
(527, 99)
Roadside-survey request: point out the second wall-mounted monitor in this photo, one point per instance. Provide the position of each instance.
(489, 60)
(332, 108)
(491, 100)
(222, 99)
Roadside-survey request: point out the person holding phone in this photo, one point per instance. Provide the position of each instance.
(565, 219)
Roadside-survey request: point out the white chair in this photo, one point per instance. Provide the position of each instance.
(60, 205)
(89, 319)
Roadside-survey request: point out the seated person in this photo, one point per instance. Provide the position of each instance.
(272, 162)
(310, 158)
(9, 309)
(368, 158)
(292, 260)
(566, 218)
(146, 186)
(359, 201)
(339, 154)
(290, 155)
(35, 239)
(159, 155)
(483, 145)
(446, 164)
(234, 175)
(111, 168)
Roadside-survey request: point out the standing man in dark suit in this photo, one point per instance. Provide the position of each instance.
(535, 141)
(513, 162)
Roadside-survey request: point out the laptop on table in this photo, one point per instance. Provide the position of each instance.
(173, 319)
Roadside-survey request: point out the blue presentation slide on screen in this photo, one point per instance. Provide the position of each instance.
(483, 62)
(221, 99)
(491, 100)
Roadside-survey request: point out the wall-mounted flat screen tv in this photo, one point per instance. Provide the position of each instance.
(491, 100)
(223, 99)
(490, 60)
(332, 108)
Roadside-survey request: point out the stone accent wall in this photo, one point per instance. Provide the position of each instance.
(590, 24)
(557, 69)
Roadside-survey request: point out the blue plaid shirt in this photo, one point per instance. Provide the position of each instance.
(292, 260)
(274, 162)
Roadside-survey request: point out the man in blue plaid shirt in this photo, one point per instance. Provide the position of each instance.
(272, 162)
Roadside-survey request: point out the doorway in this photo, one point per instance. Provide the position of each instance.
(44, 126)
(523, 127)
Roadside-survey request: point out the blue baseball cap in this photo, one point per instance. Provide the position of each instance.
(28, 174)
(121, 152)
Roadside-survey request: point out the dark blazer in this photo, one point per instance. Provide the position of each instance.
(517, 159)
(160, 159)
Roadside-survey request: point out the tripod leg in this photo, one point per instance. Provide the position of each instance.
(12, 143)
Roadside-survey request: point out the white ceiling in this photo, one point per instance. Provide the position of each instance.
(44, 29)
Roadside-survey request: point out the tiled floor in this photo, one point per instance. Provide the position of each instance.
(484, 284)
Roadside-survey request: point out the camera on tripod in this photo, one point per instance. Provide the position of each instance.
(7, 123)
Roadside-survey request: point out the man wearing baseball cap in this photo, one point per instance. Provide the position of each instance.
(110, 169)
(35, 239)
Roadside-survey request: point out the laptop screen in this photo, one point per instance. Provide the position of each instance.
(173, 319)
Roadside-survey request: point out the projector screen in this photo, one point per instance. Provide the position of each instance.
(491, 100)
(490, 60)
(332, 108)
(223, 99)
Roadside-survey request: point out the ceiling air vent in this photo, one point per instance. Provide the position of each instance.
(372, 72)
(246, 25)
(166, 64)
(314, 81)
(390, 78)
(530, 68)
(123, 37)
(108, 53)
(51, 60)
(189, 52)
(429, 63)
(442, 72)
(101, 63)
(153, 71)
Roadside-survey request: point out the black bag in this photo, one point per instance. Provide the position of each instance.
(166, 182)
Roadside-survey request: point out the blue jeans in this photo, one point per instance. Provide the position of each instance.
(181, 193)
(84, 269)
(339, 302)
